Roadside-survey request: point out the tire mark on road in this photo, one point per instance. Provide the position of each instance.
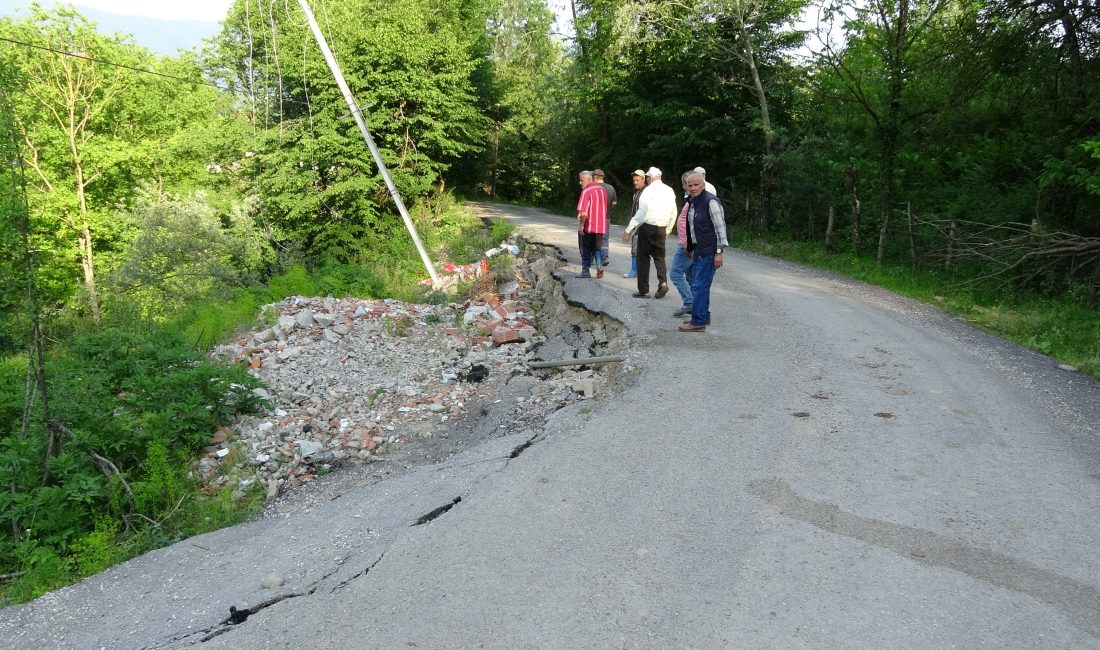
(1080, 602)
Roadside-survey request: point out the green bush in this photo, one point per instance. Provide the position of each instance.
(500, 230)
(146, 403)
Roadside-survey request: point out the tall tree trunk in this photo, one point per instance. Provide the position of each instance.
(1094, 286)
(949, 264)
(1072, 40)
(890, 129)
(851, 180)
(87, 251)
(769, 171)
(496, 161)
(912, 238)
(882, 239)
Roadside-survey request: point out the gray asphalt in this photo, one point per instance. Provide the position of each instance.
(827, 466)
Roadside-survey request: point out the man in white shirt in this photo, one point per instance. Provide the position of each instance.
(654, 220)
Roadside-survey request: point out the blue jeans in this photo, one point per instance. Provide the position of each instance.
(701, 279)
(681, 274)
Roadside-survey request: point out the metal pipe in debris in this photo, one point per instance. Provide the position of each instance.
(574, 362)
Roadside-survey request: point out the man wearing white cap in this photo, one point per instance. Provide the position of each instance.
(637, 179)
(653, 220)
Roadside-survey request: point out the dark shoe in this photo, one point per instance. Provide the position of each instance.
(688, 327)
(683, 311)
(688, 322)
(639, 294)
(606, 261)
(583, 275)
(599, 273)
(661, 291)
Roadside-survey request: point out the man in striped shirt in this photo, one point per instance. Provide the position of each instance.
(592, 220)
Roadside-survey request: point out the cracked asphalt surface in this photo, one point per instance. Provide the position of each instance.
(828, 466)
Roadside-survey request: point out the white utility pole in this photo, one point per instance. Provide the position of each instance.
(335, 68)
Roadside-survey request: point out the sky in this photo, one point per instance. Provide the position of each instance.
(202, 17)
(206, 10)
(145, 18)
(163, 26)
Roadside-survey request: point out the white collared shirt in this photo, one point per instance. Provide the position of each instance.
(656, 206)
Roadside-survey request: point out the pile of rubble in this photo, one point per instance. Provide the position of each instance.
(348, 380)
(455, 274)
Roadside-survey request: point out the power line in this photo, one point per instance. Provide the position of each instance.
(93, 59)
(111, 63)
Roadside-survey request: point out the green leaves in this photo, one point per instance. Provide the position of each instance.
(144, 403)
(410, 71)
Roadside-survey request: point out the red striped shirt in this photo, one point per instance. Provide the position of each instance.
(593, 203)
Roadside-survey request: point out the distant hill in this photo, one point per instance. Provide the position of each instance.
(160, 36)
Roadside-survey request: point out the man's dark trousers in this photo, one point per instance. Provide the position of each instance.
(651, 244)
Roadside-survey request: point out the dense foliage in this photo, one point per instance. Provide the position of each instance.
(973, 118)
(410, 67)
(950, 141)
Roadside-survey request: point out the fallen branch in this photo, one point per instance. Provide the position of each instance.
(109, 469)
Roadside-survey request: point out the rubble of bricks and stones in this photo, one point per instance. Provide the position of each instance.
(348, 380)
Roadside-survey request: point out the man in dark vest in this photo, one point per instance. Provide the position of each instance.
(706, 220)
(638, 179)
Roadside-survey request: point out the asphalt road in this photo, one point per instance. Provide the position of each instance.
(827, 466)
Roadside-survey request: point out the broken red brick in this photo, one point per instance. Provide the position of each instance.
(505, 335)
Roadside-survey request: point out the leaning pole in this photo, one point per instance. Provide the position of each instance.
(339, 76)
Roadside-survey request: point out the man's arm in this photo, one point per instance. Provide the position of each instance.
(583, 206)
(637, 219)
(671, 211)
(718, 218)
(639, 216)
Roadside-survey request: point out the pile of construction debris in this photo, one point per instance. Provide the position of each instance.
(350, 380)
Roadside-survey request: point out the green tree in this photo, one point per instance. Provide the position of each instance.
(889, 47)
(516, 95)
(745, 44)
(98, 117)
(408, 64)
(66, 114)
